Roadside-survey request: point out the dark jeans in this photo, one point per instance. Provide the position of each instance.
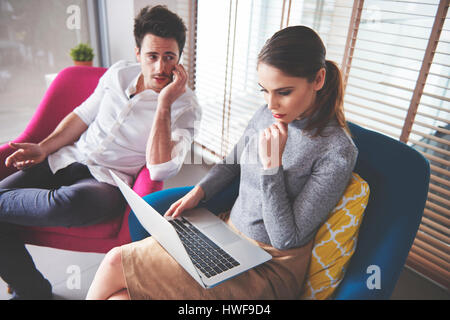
(37, 197)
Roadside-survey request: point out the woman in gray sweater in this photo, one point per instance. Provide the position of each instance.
(294, 160)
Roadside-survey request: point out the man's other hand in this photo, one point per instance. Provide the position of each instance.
(25, 156)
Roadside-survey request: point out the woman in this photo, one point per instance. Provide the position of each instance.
(304, 161)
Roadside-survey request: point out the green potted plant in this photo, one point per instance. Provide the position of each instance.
(82, 54)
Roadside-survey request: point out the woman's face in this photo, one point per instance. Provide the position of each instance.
(287, 97)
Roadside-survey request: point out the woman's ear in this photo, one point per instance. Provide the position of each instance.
(320, 79)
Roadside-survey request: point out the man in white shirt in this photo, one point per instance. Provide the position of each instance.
(139, 114)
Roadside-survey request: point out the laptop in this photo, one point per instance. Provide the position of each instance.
(205, 246)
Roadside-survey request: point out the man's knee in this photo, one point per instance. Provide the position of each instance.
(78, 206)
(72, 201)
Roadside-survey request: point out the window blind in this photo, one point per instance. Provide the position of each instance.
(187, 10)
(397, 84)
(430, 134)
(230, 36)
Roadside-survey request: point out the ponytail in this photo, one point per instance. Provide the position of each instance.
(329, 100)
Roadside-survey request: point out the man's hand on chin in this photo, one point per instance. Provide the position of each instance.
(170, 93)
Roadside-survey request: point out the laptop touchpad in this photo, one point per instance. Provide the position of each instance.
(221, 234)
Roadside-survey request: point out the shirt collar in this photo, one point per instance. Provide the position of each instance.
(133, 86)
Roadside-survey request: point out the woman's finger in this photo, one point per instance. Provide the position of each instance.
(172, 208)
(178, 211)
(282, 127)
(274, 131)
(267, 133)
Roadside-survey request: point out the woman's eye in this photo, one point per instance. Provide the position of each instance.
(284, 93)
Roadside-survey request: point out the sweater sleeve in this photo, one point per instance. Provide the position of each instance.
(222, 173)
(228, 169)
(293, 222)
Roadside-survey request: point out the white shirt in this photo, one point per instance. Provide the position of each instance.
(119, 127)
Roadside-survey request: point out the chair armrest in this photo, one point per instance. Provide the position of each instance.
(143, 185)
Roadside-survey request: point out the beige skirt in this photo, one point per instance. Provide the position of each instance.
(151, 273)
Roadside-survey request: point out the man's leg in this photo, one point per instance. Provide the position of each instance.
(16, 264)
(17, 267)
(84, 202)
(71, 197)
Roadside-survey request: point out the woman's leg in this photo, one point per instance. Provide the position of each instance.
(121, 295)
(109, 281)
(160, 201)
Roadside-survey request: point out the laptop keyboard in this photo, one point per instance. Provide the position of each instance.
(204, 253)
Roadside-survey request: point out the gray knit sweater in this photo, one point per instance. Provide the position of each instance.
(285, 206)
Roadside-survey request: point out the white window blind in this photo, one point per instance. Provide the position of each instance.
(187, 10)
(430, 134)
(397, 84)
(230, 36)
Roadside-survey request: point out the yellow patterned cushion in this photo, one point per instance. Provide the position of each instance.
(335, 241)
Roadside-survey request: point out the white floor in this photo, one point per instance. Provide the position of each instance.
(72, 272)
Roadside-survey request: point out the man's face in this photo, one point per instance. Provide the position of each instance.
(158, 57)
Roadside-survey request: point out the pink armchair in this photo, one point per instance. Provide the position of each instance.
(70, 88)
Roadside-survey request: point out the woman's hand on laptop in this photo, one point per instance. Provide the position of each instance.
(189, 201)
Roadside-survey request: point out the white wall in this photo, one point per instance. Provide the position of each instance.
(120, 15)
(139, 4)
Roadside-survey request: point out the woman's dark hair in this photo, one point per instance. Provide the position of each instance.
(298, 51)
(160, 22)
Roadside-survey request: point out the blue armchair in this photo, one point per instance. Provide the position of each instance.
(398, 177)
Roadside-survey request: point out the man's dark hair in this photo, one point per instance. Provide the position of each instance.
(161, 22)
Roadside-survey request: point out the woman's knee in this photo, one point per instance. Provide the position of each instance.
(113, 258)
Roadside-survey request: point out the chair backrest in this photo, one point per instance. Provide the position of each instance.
(398, 177)
(68, 90)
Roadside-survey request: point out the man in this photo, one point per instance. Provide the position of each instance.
(139, 114)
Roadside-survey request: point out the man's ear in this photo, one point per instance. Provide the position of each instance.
(137, 52)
